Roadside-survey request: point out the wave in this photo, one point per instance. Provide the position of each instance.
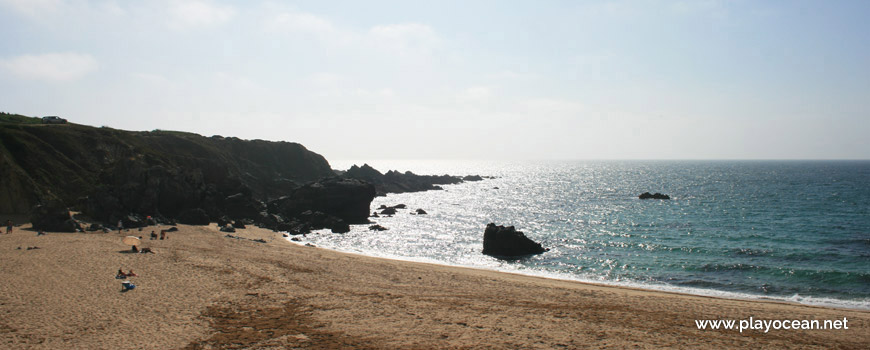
(704, 288)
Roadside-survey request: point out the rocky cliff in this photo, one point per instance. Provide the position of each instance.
(109, 173)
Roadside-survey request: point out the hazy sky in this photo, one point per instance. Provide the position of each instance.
(456, 79)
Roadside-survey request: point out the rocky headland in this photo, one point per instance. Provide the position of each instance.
(115, 178)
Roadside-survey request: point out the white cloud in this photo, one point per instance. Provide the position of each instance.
(406, 38)
(199, 13)
(52, 66)
(477, 93)
(33, 8)
(155, 80)
(299, 22)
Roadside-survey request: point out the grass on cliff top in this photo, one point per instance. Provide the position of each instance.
(18, 119)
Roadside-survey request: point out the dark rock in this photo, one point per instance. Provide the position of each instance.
(507, 242)
(95, 227)
(389, 211)
(346, 199)
(382, 207)
(133, 221)
(242, 206)
(400, 206)
(374, 214)
(239, 225)
(472, 178)
(421, 212)
(195, 216)
(53, 217)
(647, 195)
(223, 221)
(172, 229)
(295, 239)
(377, 228)
(227, 229)
(396, 182)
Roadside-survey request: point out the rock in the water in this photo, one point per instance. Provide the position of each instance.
(377, 228)
(500, 241)
(389, 211)
(400, 206)
(647, 195)
(374, 214)
(421, 212)
(472, 178)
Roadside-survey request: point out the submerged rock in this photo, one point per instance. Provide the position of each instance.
(500, 241)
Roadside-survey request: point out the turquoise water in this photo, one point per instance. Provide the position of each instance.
(785, 230)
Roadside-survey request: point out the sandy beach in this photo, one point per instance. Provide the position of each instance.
(203, 290)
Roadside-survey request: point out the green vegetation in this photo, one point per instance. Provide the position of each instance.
(40, 163)
(18, 119)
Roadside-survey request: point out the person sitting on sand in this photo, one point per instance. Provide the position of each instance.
(121, 274)
(162, 234)
(135, 250)
(8, 226)
(153, 235)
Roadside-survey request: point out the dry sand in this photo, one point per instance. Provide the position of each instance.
(202, 290)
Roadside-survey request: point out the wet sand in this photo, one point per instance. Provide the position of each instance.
(202, 290)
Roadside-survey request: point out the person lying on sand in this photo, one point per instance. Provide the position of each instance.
(122, 275)
(146, 250)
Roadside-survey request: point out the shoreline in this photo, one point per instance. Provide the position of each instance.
(204, 290)
(726, 295)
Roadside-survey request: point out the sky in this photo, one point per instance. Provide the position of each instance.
(489, 80)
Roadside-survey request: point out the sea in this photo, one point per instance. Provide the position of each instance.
(795, 231)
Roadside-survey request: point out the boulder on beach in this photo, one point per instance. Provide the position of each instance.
(506, 242)
(53, 216)
(421, 212)
(647, 195)
(389, 211)
(377, 228)
(346, 199)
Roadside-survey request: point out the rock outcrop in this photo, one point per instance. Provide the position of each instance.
(506, 242)
(108, 174)
(55, 217)
(346, 199)
(396, 182)
(647, 195)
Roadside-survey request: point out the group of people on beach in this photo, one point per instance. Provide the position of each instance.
(162, 235)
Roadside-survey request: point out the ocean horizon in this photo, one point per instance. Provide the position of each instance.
(786, 230)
